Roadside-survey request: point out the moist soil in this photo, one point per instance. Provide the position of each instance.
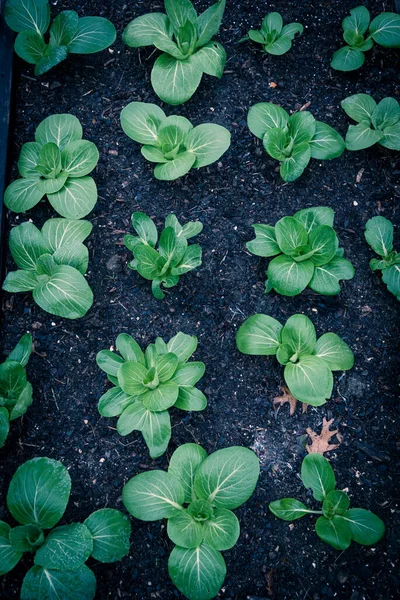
(273, 559)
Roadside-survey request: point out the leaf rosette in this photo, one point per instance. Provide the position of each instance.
(379, 235)
(274, 37)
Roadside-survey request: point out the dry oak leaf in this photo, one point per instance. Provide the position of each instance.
(321, 443)
(291, 400)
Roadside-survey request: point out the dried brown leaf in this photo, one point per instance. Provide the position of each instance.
(288, 398)
(320, 443)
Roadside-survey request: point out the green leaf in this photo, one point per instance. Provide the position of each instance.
(259, 335)
(210, 59)
(66, 548)
(326, 277)
(79, 158)
(279, 46)
(153, 154)
(209, 22)
(49, 584)
(191, 229)
(385, 30)
(52, 58)
(228, 477)
(288, 509)
(200, 510)
(92, 35)
(208, 142)
(391, 276)
(361, 136)
(28, 160)
(8, 556)
(288, 277)
(391, 138)
(180, 11)
(22, 403)
(26, 538)
(189, 374)
(63, 28)
(148, 261)
(347, 59)
(49, 160)
(60, 129)
(27, 244)
(173, 169)
(22, 194)
(359, 107)
(153, 495)
(144, 30)
(275, 142)
(358, 21)
(168, 244)
(190, 260)
(4, 431)
(66, 294)
(171, 134)
(12, 379)
(366, 528)
(30, 15)
(182, 345)
(299, 334)
(335, 352)
(255, 36)
(183, 465)
(175, 81)
(265, 243)
(222, 530)
(109, 362)
(129, 348)
(291, 168)
(335, 503)
(317, 474)
(111, 532)
(291, 30)
(39, 492)
(272, 22)
(386, 114)
(264, 116)
(290, 235)
(114, 402)
(76, 199)
(379, 235)
(140, 121)
(50, 186)
(190, 398)
(20, 281)
(335, 531)
(145, 228)
(197, 572)
(166, 366)
(184, 531)
(326, 143)
(323, 241)
(65, 232)
(302, 127)
(314, 216)
(155, 426)
(162, 397)
(130, 377)
(310, 380)
(30, 46)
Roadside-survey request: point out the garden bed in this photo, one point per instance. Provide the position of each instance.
(272, 558)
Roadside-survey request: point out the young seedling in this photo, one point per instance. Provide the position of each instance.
(307, 253)
(68, 33)
(274, 37)
(197, 496)
(15, 389)
(379, 235)
(308, 362)
(174, 257)
(377, 123)
(51, 264)
(338, 524)
(383, 30)
(56, 165)
(147, 384)
(173, 142)
(185, 40)
(293, 139)
(37, 498)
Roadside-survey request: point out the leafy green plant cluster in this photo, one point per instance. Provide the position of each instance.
(274, 37)
(68, 34)
(377, 123)
(338, 524)
(308, 362)
(173, 258)
(383, 30)
(37, 499)
(173, 142)
(15, 389)
(185, 40)
(51, 264)
(146, 384)
(379, 235)
(293, 139)
(307, 253)
(197, 495)
(56, 165)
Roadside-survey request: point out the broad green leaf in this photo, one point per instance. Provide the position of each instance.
(28, 160)
(29, 15)
(147, 262)
(52, 58)
(386, 114)
(209, 22)
(76, 256)
(109, 362)
(334, 351)
(366, 528)
(358, 20)
(361, 136)
(190, 398)
(310, 380)
(335, 531)
(144, 30)
(79, 158)
(335, 503)
(323, 241)
(259, 335)
(173, 169)
(391, 137)
(39, 492)
(166, 366)
(66, 294)
(141, 120)
(22, 194)
(27, 244)
(50, 186)
(291, 168)
(314, 216)
(65, 232)
(222, 530)
(66, 548)
(63, 28)
(210, 59)
(228, 477)
(130, 377)
(290, 234)
(30, 46)
(347, 59)
(208, 142)
(255, 36)
(168, 244)
(175, 81)
(129, 348)
(26, 538)
(189, 374)
(4, 430)
(180, 11)
(191, 229)
(153, 154)
(288, 277)
(265, 243)
(49, 584)
(291, 30)
(12, 379)
(49, 160)
(385, 30)
(153, 495)
(288, 509)
(264, 116)
(275, 142)
(272, 22)
(60, 129)
(326, 143)
(169, 47)
(23, 402)
(92, 35)
(299, 334)
(190, 260)
(200, 510)
(111, 532)
(182, 345)
(326, 277)
(8, 556)
(197, 572)
(162, 397)
(317, 474)
(279, 46)
(20, 281)
(114, 402)
(183, 465)
(76, 199)
(359, 107)
(171, 135)
(184, 531)
(145, 228)
(391, 276)
(302, 127)
(379, 235)
(155, 426)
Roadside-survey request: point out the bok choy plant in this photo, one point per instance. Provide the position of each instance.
(197, 495)
(37, 499)
(56, 165)
(174, 257)
(15, 389)
(185, 40)
(146, 384)
(379, 235)
(68, 34)
(338, 524)
(274, 37)
(308, 362)
(52, 264)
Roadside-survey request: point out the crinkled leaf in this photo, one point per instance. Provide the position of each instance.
(173, 169)
(155, 426)
(310, 380)
(391, 137)
(279, 46)
(12, 379)
(4, 430)
(391, 276)
(145, 228)
(302, 126)
(290, 234)
(197, 572)
(28, 160)
(317, 474)
(52, 58)
(49, 584)
(110, 531)
(335, 503)
(180, 11)
(65, 232)
(259, 335)
(323, 242)
(275, 142)
(190, 260)
(386, 114)
(153, 495)
(130, 377)
(20, 281)
(26, 538)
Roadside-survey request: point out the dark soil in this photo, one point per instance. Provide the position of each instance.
(273, 559)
